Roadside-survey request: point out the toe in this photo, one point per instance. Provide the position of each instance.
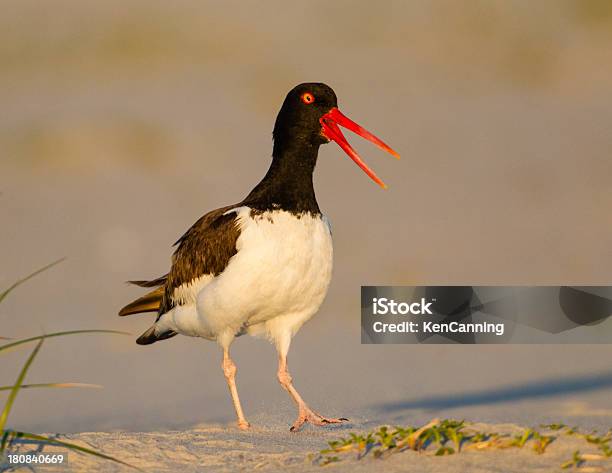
(320, 420)
(314, 418)
(296, 427)
(243, 425)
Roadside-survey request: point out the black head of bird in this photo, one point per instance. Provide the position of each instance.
(309, 117)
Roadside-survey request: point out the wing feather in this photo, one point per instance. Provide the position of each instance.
(205, 248)
(150, 302)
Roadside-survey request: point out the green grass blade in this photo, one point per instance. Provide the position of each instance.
(53, 385)
(71, 446)
(17, 385)
(4, 441)
(57, 334)
(27, 278)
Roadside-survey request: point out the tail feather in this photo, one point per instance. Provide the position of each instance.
(151, 337)
(160, 281)
(150, 302)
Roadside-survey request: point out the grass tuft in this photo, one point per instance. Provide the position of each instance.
(9, 437)
(450, 437)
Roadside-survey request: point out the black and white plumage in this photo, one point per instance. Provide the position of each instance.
(263, 265)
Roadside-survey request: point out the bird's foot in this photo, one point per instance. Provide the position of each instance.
(243, 425)
(308, 415)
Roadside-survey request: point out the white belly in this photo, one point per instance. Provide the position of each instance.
(276, 281)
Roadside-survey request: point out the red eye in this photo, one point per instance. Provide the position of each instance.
(307, 98)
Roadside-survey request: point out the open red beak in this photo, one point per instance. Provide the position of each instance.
(331, 130)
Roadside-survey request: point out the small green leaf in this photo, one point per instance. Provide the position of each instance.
(576, 461)
(444, 451)
(326, 460)
(53, 385)
(553, 426)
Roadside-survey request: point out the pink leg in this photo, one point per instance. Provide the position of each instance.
(305, 413)
(229, 370)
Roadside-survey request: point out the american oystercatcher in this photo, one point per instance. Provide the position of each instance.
(262, 266)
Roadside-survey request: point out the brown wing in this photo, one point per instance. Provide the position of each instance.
(205, 248)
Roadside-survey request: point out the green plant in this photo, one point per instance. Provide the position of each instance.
(8, 437)
(450, 437)
(540, 442)
(576, 461)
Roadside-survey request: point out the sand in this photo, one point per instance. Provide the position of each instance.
(222, 448)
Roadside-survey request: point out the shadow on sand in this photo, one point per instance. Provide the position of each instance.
(538, 389)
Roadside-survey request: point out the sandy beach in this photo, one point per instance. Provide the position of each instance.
(220, 448)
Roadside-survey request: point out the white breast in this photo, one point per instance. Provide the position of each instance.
(276, 281)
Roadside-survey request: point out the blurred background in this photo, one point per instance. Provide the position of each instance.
(121, 123)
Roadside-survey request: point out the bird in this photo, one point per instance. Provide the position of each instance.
(263, 266)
